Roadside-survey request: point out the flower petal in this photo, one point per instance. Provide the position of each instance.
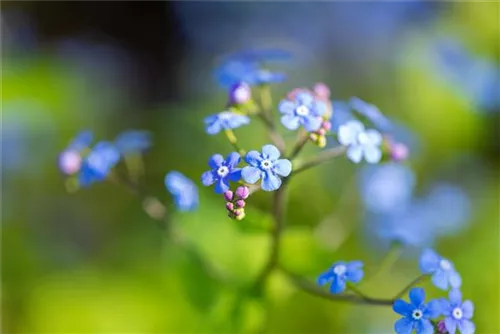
(354, 275)
(250, 174)
(311, 123)
(291, 122)
(304, 98)
(434, 308)
(373, 154)
(338, 285)
(319, 108)
(324, 278)
(468, 309)
(286, 107)
(253, 158)
(429, 261)
(403, 326)
(232, 160)
(221, 186)
(450, 324)
(424, 326)
(208, 178)
(234, 175)
(216, 161)
(270, 181)
(270, 152)
(455, 279)
(417, 296)
(374, 137)
(402, 307)
(213, 126)
(455, 296)
(466, 327)
(282, 167)
(355, 153)
(440, 279)
(346, 136)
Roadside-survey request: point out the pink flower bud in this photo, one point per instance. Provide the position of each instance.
(322, 91)
(240, 93)
(441, 327)
(239, 212)
(228, 195)
(240, 203)
(242, 192)
(70, 162)
(229, 206)
(321, 132)
(399, 152)
(326, 125)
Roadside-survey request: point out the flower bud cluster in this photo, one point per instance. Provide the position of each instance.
(235, 202)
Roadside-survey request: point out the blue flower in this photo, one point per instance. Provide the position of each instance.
(222, 172)
(225, 120)
(416, 314)
(387, 188)
(457, 313)
(442, 270)
(266, 166)
(372, 113)
(341, 273)
(360, 142)
(97, 165)
(133, 141)
(70, 159)
(81, 141)
(305, 111)
(183, 190)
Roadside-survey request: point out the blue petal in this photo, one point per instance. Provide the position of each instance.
(403, 326)
(133, 141)
(454, 279)
(374, 137)
(402, 307)
(232, 160)
(250, 174)
(82, 140)
(287, 107)
(424, 326)
(304, 98)
(214, 127)
(311, 123)
(319, 108)
(354, 275)
(429, 261)
(291, 122)
(338, 285)
(440, 279)
(270, 181)
(417, 296)
(270, 152)
(455, 296)
(282, 167)
(221, 186)
(236, 121)
(234, 175)
(373, 154)
(450, 324)
(216, 161)
(434, 308)
(355, 153)
(466, 327)
(208, 178)
(468, 309)
(324, 278)
(347, 135)
(253, 158)
(176, 183)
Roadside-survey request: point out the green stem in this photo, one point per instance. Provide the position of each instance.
(231, 137)
(322, 157)
(301, 142)
(387, 262)
(417, 280)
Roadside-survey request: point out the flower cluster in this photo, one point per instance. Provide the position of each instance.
(235, 202)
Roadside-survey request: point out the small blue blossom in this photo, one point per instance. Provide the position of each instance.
(341, 273)
(266, 165)
(133, 141)
(97, 165)
(81, 141)
(70, 159)
(386, 188)
(183, 190)
(416, 314)
(457, 313)
(222, 172)
(305, 110)
(360, 142)
(442, 270)
(225, 120)
(372, 113)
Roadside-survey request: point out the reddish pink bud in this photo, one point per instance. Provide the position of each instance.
(322, 91)
(399, 152)
(240, 203)
(321, 132)
(228, 195)
(242, 192)
(229, 206)
(326, 125)
(239, 212)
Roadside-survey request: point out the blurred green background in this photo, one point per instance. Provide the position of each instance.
(94, 262)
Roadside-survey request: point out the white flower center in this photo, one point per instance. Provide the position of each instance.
(457, 313)
(266, 164)
(445, 264)
(340, 269)
(222, 171)
(302, 110)
(417, 314)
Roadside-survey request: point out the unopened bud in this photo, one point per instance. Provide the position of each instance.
(321, 132)
(229, 206)
(239, 212)
(322, 91)
(321, 141)
(240, 93)
(240, 203)
(228, 195)
(242, 192)
(313, 137)
(399, 152)
(326, 125)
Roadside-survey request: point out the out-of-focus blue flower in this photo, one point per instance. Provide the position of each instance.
(442, 270)
(225, 120)
(97, 165)
(222, 172)
(81, 141)
(183, 190)
(305, 110)
(341, 273)
(247, 67)
(360, 142)
(341, 115)
(133, 141)
(416, 314)
(266, 165)
(70, 159)
(457, 313)
(451, 207)
(387, 188)
(372, 113)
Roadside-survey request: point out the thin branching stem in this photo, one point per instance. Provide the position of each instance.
(322, 157)
(301, 142)
(410, 285)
